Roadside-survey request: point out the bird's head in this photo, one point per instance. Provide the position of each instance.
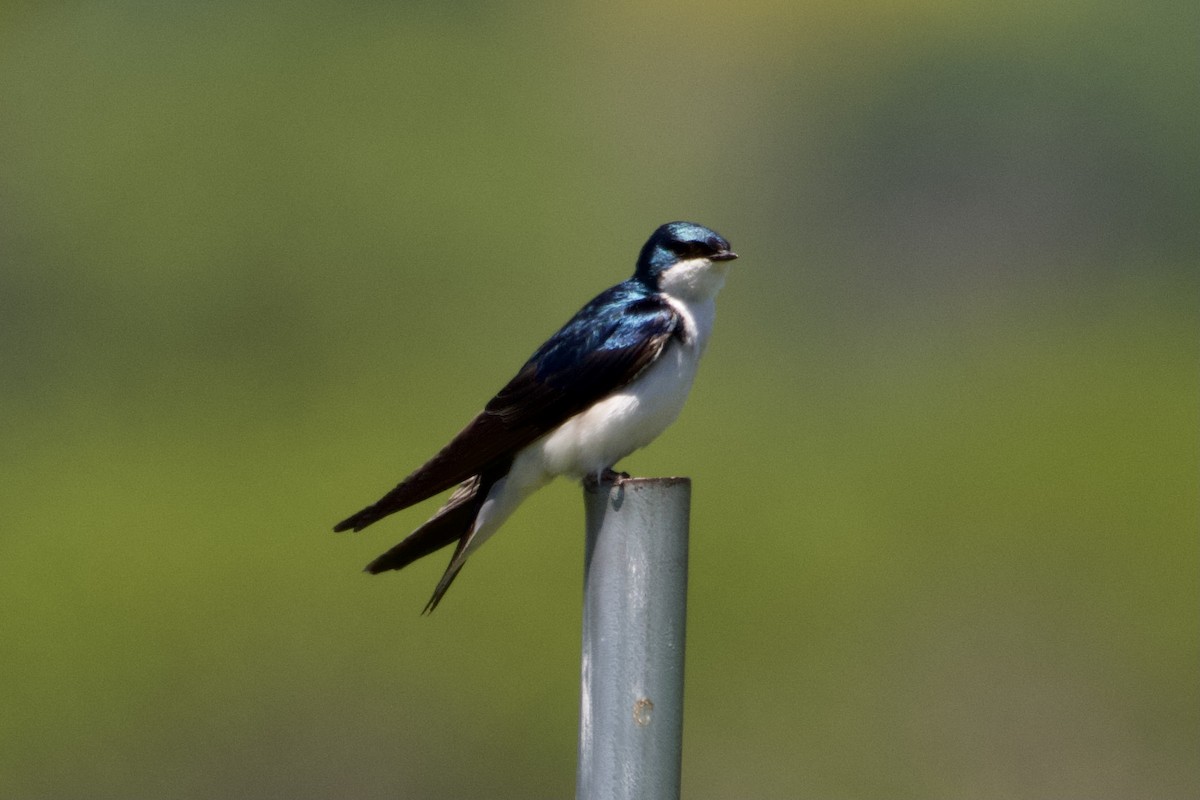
(685, 260)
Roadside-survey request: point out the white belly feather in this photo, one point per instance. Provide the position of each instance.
(632, 417)
(623, 422)
(597, 438)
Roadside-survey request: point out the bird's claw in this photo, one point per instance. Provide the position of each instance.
(594, 480)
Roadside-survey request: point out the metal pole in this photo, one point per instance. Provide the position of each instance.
(634, 614)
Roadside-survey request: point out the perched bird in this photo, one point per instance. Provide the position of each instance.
(610, 381)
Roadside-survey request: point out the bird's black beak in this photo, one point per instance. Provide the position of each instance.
(724, 255)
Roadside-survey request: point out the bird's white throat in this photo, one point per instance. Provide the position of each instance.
(693, 280)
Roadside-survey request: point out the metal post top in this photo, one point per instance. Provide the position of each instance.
(639, 483)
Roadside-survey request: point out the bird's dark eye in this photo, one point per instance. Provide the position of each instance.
(693, 249)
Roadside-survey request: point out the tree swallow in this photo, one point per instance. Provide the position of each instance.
(606, 384)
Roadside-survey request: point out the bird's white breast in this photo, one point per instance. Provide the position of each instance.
(633, 416)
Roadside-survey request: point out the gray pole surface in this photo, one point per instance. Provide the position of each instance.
(634, 614)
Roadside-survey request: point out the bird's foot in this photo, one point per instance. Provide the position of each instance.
(594, 480)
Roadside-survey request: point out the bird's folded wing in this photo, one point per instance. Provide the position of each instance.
(593, 355)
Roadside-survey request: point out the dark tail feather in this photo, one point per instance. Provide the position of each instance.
(452, 522)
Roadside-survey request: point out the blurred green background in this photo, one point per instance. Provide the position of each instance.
(258, 260)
